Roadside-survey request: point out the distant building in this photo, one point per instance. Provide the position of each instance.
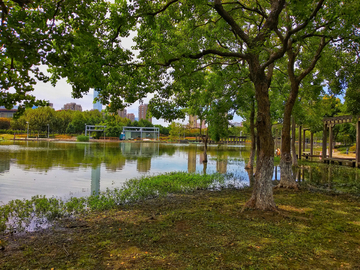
(122, 113)
(142, 112)
(203, 124)
(193, 121)
(131, 116)
(237, 124)
(97, 105)
(72, 107)
(7, 113)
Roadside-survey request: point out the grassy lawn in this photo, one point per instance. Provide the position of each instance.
(200, 230)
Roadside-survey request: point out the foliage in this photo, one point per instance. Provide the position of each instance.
(163, 130)
(82, 138)
(4, 123)
(175, 131)
(145, 123)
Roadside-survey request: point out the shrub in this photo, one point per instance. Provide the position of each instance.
(352, 148)
(82, 138)
(4, 123)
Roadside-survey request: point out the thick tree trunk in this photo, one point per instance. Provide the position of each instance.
(205, 160)
(262, 195)
(250, 163)
(293, 148)
(287, 178)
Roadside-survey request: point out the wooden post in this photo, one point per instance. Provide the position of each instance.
(299, 155)
(311, 143)
(330, 141)
(324, 142)
(358, 143)
(304, 130)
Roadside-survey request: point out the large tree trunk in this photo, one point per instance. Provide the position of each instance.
(205, 160)
(293, 147)
(287, 178)
(262, 195)
(250, 163)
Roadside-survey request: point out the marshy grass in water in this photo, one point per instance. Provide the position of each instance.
(39, 212)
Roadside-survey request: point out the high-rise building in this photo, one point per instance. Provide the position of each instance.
(97, 105)
(131, 116)
(142, 112)
(122, 113)
(72, 106)
(203, 124)
(193, 121)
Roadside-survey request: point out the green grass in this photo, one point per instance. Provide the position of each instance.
(6, 137)
(82, 138)
(199, 230)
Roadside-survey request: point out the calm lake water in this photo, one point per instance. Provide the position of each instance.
(64, 169)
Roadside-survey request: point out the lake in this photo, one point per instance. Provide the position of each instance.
(64, 169)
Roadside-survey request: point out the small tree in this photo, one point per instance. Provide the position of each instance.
(175, 131)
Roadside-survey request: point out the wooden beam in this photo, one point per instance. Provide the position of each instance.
(330, 141)
(304, 130)
(324, 142)
(311, 143)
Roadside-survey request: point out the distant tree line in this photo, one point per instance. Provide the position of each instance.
(71, 122)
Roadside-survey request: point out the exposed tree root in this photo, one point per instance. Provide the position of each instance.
(251, 204)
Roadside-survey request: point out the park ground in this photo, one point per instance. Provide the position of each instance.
(201, 230)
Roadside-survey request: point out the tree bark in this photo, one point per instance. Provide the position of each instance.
(287, 177)
(293, 147)
(250, 163)
(205, 160)
(262, 195)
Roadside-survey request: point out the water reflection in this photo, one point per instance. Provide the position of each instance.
(65, 169)
(95, 180)
(192, 159)
(329, 177)
(80, 169)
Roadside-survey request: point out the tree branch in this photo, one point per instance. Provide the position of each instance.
(230, 20)
(303, 25)
(316, 57)
(161, 10)
(202, 54)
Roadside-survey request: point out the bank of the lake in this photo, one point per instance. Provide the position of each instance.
(200, 230)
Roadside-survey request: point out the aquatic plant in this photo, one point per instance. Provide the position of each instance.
(82, 138)
(39, 211)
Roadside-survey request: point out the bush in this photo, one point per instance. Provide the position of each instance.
(4, 123)
(82, 138)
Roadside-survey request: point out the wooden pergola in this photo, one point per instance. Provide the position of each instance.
(329, 123)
